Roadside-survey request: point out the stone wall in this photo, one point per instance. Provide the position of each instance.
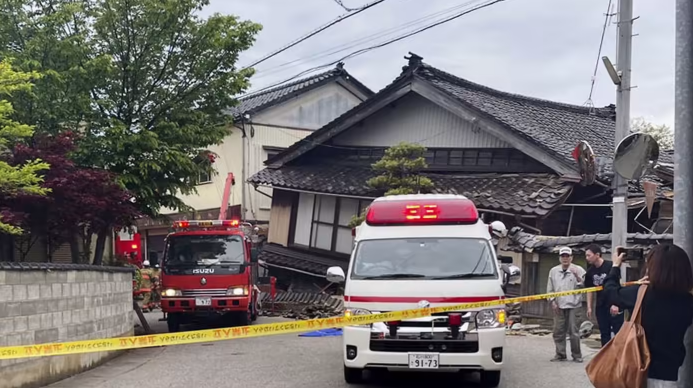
(44, 303)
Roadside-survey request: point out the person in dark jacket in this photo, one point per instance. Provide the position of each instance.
(667, 309)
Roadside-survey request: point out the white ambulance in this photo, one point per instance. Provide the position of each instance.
(418, 251)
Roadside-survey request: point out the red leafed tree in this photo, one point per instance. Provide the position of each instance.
(83, 202)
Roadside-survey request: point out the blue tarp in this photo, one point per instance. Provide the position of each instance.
(323, 333)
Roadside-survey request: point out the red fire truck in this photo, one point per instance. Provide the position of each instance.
(210, 270)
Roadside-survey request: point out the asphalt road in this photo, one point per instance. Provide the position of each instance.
(293, 361)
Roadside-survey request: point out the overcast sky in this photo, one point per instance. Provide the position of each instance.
(539, 48)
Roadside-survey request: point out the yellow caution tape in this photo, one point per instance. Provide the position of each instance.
(260, 330)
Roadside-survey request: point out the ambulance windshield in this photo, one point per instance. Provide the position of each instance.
(424, 258)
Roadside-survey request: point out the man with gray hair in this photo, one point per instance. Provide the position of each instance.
(566, 277)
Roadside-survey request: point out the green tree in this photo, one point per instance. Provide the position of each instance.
(147, 83)
(662, 133)
(23, 179)
(399, 172)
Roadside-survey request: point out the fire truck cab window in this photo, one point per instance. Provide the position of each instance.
(205, 250)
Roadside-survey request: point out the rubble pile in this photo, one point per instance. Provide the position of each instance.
(313, 312)
(519, 329)
(302, 306)
(514, 312)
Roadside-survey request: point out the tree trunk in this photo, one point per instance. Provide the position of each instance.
(86, 245)
(74, 249)
(100, 247)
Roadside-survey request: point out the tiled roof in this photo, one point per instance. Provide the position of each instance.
(665, 166)
(292, 259)
(523, 241)
(255, 102)
(526, 194)
(555, 127)
(48, 267)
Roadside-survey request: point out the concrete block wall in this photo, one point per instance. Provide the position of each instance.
(45, 303)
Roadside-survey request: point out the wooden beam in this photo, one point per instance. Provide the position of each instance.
(140, 315)
(430, 92)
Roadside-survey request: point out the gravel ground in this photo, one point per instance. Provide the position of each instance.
(292, 361)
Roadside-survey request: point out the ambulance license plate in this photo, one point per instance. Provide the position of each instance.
(424, 360)
(203, 301)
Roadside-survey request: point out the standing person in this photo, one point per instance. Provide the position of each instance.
(667, 308)
(156, 287)
(566, 277)
(146, 286)
(609, 318)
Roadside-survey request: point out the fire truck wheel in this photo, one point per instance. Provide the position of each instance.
(173, 321)
(244, 319)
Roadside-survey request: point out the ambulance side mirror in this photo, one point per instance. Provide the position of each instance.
(335, 275)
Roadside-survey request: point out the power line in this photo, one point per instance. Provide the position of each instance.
(607, 18)
(351, 44)
(380, 45)
(315, 32)
(341, 4)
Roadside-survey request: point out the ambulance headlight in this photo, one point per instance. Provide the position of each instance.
(171, 293)
(491, 318)
(348, 313)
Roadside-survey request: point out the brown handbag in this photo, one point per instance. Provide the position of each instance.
(624, 361)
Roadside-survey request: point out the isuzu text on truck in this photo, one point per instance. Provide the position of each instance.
(419, 251)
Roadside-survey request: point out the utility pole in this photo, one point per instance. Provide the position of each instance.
(619, 227)
(683, 162)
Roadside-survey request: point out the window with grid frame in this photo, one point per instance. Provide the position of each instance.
(330, 229)
(205, 176)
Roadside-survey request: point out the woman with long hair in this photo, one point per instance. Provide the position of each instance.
(667, 308)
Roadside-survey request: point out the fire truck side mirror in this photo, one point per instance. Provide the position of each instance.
(254, 254)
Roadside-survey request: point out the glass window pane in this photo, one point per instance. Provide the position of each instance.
(441, 158)
(326, 208)
(344, 240)
(456, 158)
(425, 257)
(323, 236)
(428, 155)
(347, 208)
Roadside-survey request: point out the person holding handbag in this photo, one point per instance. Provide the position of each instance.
(666, 310)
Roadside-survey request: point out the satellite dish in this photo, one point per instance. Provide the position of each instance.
(586, 160)
(635, 154)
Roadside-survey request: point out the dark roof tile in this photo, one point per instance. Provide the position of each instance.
(292, 259)
(255, 102)
(557, 127)
(527, 194)
(523, 241)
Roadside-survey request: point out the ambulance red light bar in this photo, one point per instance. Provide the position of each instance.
(428, 212)
(206, 224)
